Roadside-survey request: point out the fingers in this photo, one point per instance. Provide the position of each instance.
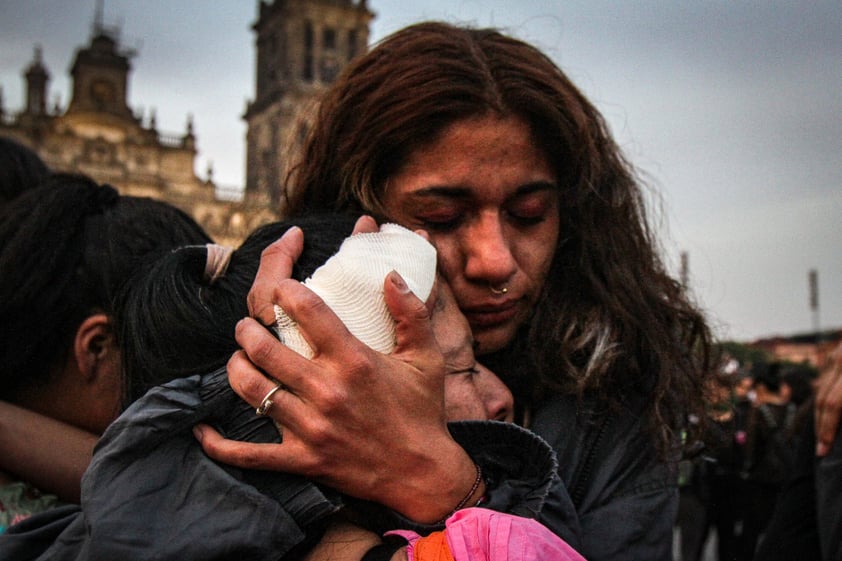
(325, 333)
(249, 455)
(262, 353)
(365, 225)
(415, 340)
(276, 264)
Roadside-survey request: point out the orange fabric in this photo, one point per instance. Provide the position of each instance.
(432, 548)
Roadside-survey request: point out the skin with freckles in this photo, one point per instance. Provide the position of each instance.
(492, 214)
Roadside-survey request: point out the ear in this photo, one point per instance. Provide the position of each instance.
(95, 345)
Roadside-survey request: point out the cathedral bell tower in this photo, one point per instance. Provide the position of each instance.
(100, 75)
(37, 78)
(302, 45)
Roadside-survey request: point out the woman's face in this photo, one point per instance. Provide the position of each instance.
(471, 391)
(488, 198)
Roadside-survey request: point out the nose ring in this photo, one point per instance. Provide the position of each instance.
(498, 291)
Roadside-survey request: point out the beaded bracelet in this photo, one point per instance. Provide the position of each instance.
(467, 497)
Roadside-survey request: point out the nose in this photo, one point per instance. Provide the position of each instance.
(487, 250)
(496, 397)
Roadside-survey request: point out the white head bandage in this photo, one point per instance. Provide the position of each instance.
(351, 284)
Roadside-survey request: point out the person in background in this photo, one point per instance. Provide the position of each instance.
(151, 486)
(769, 452)
(66, 249)
(807, 518)
(542, 233)
(701, 476)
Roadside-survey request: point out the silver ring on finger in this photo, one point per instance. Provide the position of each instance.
(267, 403)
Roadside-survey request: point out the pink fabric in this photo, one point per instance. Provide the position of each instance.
(480, 534)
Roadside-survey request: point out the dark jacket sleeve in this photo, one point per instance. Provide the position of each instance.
(521, 470)
(151, 492)
(792, 532)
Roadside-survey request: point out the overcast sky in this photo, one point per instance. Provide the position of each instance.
(732, 110)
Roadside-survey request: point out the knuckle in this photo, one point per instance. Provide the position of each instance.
(333, 401)
(273, 251)
(320, 433)
(305, 304)
(262, 350)
(251, 386)
(419, 310)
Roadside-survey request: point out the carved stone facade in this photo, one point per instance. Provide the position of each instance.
(100, 136)
(301, 47)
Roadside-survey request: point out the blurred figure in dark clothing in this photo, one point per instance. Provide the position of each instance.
(770, 452)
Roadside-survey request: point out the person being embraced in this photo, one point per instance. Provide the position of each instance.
(66, 249)
(542, 233)
(152, 492)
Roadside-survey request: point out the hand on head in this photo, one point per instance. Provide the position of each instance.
(276, 264)
(328, 436)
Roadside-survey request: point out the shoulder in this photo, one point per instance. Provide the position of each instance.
(603, 452)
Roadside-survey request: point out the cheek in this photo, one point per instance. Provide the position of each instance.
(461, 400)
(450, 258)
(535, 254)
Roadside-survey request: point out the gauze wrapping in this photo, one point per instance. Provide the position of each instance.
(351, 284)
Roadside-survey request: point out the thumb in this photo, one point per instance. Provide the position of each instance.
(414, 332)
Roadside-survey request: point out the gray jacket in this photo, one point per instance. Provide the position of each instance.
(626, 499)
(151, 492)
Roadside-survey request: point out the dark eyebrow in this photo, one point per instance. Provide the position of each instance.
(456, 191)
(536, 186)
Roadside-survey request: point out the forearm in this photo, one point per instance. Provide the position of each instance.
(520, 470)
(431, 489)
(342, 541)
(47, 453)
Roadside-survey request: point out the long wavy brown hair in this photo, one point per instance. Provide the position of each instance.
(611, 319)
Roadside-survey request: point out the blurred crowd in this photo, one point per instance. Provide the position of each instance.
(738, 498)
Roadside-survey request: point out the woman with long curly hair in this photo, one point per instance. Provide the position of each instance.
(542, 232)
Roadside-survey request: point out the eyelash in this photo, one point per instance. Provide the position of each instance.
(443, 226)
(473, 371)
(530, 220)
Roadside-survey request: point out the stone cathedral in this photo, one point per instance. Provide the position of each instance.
(301, 45)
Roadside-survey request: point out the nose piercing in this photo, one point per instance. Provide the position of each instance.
(498, 291)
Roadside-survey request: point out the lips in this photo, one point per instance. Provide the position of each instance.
(486, 315)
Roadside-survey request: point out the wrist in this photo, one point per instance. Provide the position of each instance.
(451, 481)
(473, 497)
